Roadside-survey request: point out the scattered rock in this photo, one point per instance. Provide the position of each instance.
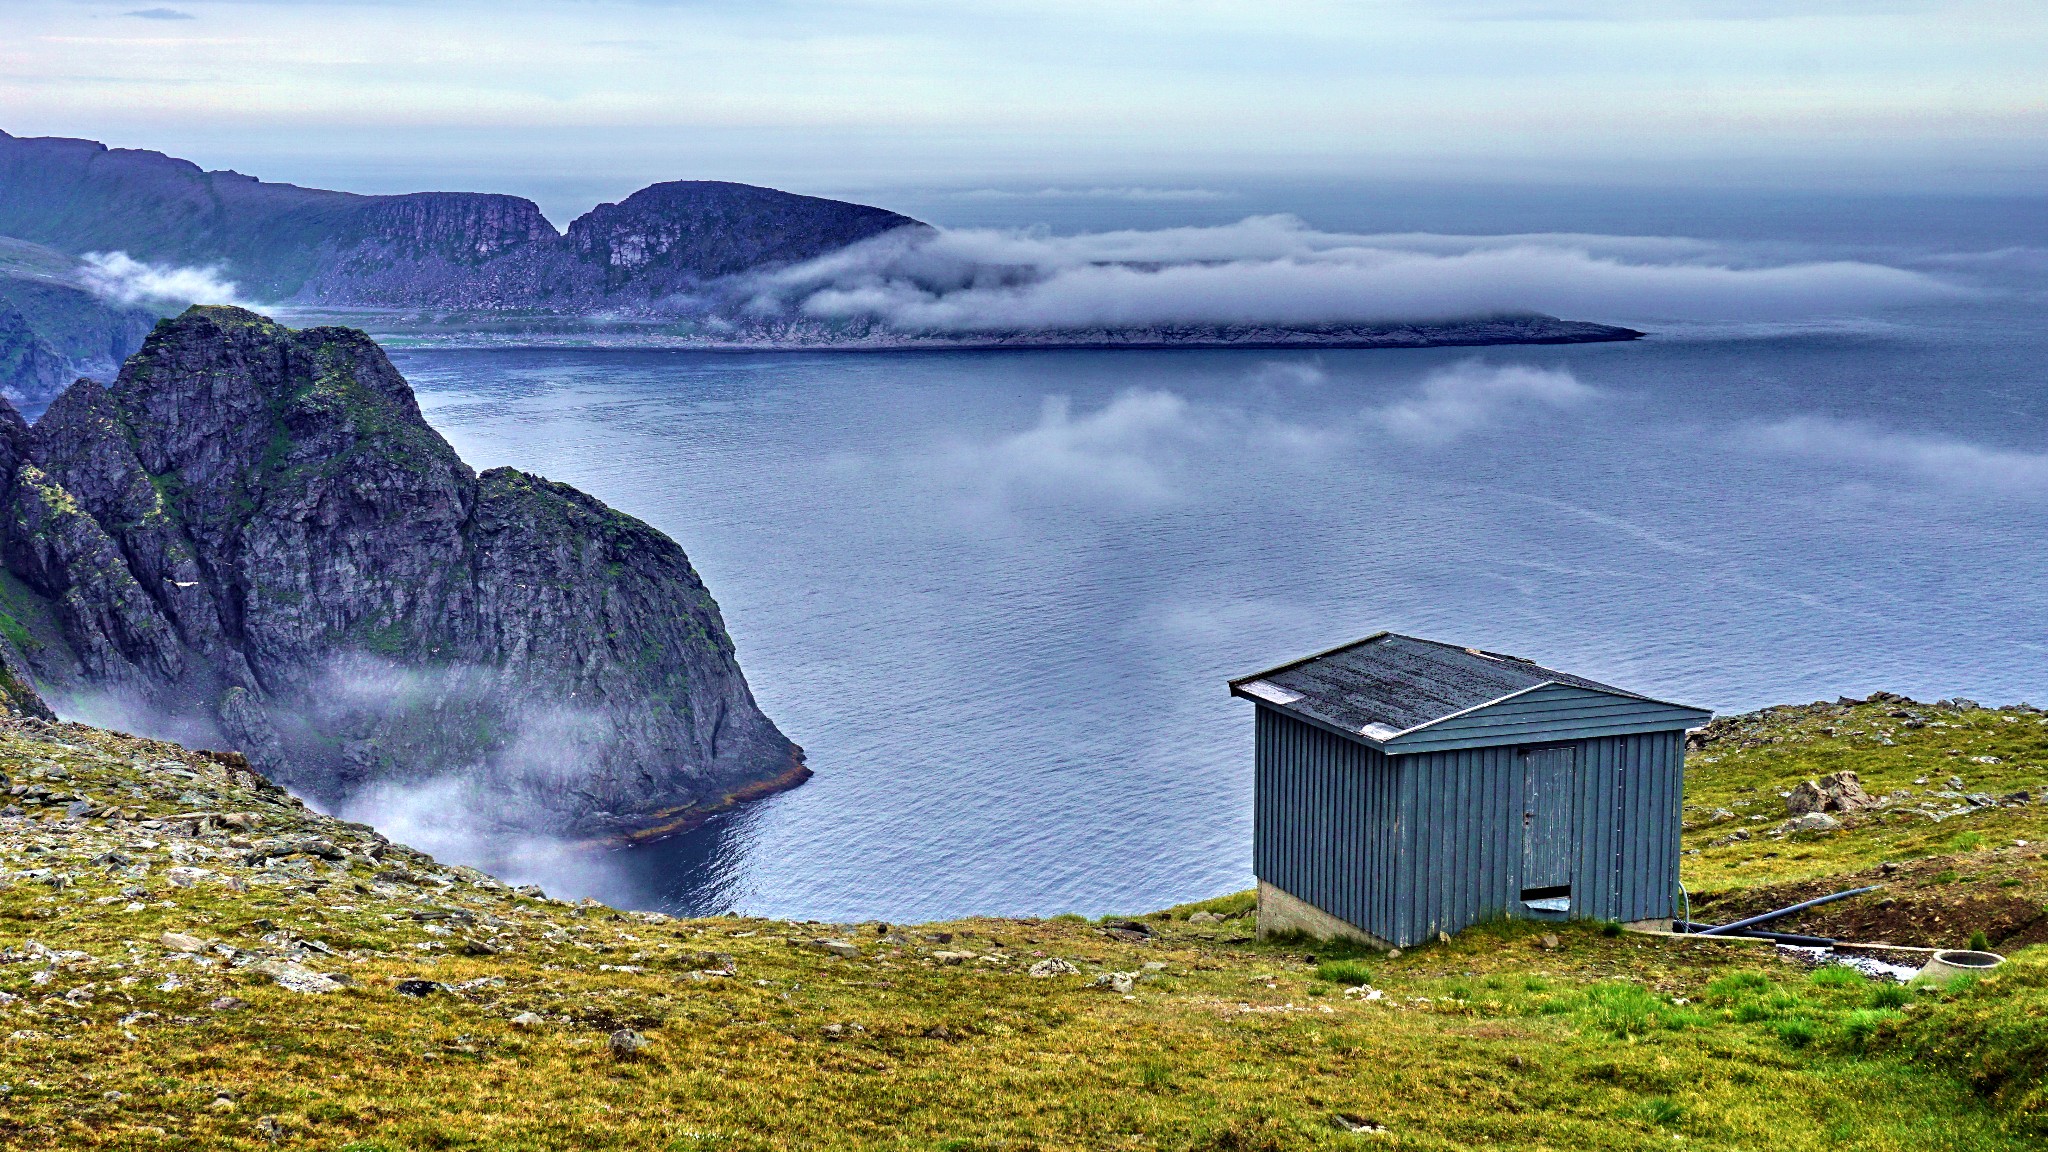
(296, 977)
(419, 988)
(1549, 941)
(1812, 822)
(627, 1044)
(843, 948)
(179, 942)
(1835, 792)
(952, 957)
(1120, 982)
(528, 1020)
(1205, 918)
(1052, 966)
(229, 1004)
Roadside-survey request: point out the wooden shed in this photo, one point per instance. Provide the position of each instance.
(1407, 787)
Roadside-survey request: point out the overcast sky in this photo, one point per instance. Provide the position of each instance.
(596, 97)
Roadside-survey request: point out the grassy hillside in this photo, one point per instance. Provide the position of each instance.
(194, 961)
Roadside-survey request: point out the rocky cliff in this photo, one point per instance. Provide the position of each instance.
(284, 243)
(253, 537)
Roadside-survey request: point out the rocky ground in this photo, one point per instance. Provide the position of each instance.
(189, 958)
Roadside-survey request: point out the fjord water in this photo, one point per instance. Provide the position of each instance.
(996, 594)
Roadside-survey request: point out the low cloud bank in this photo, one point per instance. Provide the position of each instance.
(1275, 270)
(1936, 460)
(121, 278)
(1145, 447)
(1470, 396)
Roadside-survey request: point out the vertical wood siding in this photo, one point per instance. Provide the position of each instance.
(1408, 846)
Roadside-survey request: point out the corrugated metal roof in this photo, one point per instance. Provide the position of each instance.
(1387, 684)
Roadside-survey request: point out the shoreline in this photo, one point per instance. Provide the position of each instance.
(660, 825)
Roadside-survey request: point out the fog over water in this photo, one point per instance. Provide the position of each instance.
(996, 595)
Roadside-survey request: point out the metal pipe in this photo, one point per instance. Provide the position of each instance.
(1728, 929)
(1759, 934)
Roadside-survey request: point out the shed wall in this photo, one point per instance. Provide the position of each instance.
(1407, 846)
(1326, 813)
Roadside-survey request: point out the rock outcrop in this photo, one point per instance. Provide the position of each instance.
(253, 538)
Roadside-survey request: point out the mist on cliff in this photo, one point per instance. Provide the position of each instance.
(122, 279)
(1276, 270)
(500, 811)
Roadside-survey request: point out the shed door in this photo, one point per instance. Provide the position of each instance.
(1547, 840)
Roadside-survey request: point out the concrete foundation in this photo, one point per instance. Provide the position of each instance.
(1281, 911)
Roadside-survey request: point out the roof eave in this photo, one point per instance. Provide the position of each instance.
(1299, 661)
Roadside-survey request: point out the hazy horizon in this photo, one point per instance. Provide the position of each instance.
(1047, 99)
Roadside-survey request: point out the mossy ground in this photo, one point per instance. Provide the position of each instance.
(1499, 1038)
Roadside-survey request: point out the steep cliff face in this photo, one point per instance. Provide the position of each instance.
(28, 365)
(254, 530)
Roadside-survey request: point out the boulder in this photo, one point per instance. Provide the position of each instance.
(1835, 792)
(179, 942)
(1051, 966)
(626, 1044)
(1812, 822)
(296, 977)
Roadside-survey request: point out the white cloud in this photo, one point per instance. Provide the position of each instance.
(1471, 396)
(1936, 460)
(1275, 270)
(120, 277)
(1124, 452)
(1133, 193)
(1145, 448)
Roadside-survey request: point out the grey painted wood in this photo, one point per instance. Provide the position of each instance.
(1405, 846)
(1550, 802)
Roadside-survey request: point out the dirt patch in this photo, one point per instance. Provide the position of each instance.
(1932, 903)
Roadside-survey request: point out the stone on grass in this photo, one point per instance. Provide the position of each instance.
(627, 1044)
(1204, 918)
(1051, 966)
(1120, 982)
(843, 948)
(1813, 822)
(179, 942)
(295, 977)
(418, 988)
(528, 1020)
(1835, 792)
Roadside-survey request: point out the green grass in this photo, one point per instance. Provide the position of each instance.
(1347, 972)
(1511, 1035)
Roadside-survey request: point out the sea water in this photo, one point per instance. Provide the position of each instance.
(996, 595)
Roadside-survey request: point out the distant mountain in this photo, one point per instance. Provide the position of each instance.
(281, 243)
(696, 263)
